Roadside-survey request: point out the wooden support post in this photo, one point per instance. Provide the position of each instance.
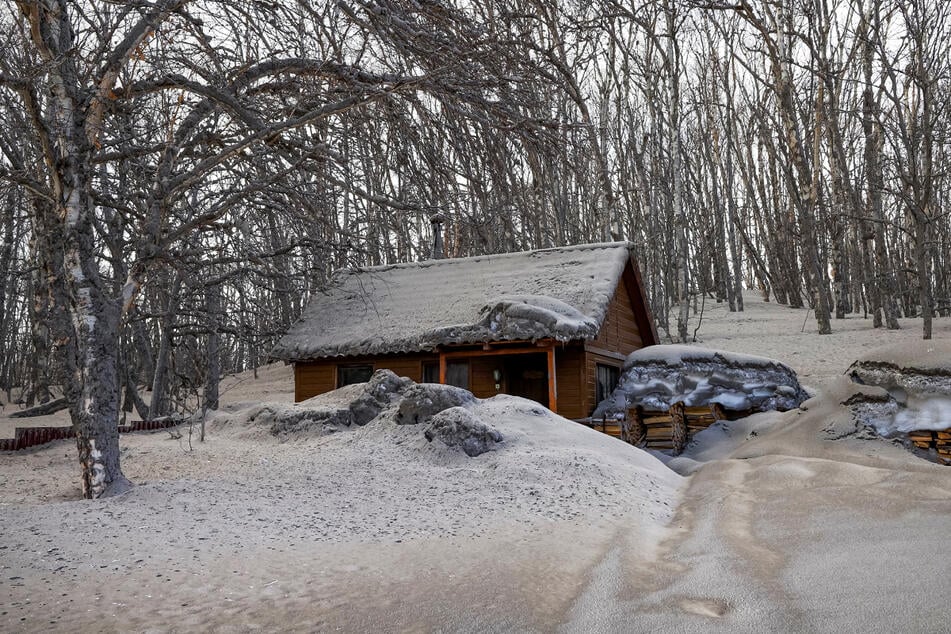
(679, 433)
(442, 367)
(552, 381)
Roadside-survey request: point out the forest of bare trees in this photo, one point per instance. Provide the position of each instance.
(179, 177)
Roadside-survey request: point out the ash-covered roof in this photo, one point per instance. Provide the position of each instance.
(560, 293)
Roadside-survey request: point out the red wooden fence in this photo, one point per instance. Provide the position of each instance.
(24, 437)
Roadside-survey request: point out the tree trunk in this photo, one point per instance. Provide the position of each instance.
(40, 316)
(732, 224)
(923, 268)
(91, 349)
(805, 185)
(212, 354)
(132, 399)
(159, 405)
(6, 266)
(93, 391)
(676, 156)
(145, 360)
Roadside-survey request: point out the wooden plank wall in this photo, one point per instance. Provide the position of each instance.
(481, 381)
(569, 370)
(631, 279)
(619, 336)
(311, 379)
(316, 377)
(619, 332)
(410, 366)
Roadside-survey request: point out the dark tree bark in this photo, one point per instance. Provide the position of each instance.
(882, 289)
(212, 354)
(160, 403)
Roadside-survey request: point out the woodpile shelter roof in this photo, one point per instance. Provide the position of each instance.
(561, 293)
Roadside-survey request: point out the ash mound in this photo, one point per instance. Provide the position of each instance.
(922, 369)
(916, 380)
(397, 399)
(462, 461)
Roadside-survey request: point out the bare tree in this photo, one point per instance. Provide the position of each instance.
(219, 109)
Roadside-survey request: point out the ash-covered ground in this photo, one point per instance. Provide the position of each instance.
(795, 521)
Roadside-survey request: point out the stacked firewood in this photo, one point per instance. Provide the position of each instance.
(670, 430)
(939, 441)
(612, 427)
(943, 444)
(658, 428)
(702, 416)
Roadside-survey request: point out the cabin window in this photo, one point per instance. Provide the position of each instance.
(350, 374)
(430, 373)
(457, 373)
(607, 379)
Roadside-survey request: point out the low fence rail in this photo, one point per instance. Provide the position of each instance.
(26, 437)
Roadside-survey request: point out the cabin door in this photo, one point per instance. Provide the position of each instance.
(526, 375)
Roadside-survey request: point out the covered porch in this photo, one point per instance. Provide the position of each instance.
(519, 368)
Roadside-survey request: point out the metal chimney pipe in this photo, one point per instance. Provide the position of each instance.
(437, 220)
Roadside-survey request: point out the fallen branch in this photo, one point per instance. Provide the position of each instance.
(42, 410)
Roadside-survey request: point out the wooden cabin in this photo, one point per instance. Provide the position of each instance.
(552, 325)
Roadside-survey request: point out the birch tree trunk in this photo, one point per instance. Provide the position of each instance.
(91, 348)
(95, 399)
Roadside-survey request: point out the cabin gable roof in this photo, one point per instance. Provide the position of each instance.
(561, 293)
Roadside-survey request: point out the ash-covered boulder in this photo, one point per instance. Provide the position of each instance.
(288, 420)
(423, 400)
(355, 405)
(657, 377)
(383, 388)
(458, 427)
(283, 420)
